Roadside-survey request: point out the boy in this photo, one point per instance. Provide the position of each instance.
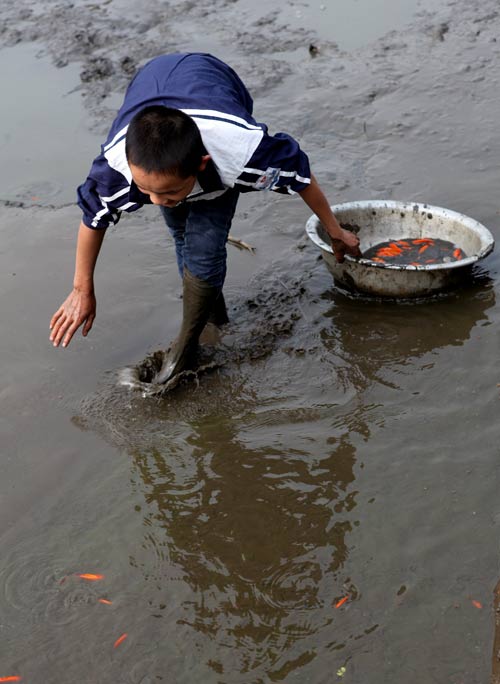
(185, 139)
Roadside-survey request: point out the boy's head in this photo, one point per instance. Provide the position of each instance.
(164, 152)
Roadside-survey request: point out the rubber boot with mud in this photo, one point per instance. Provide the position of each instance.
(218, 315)
(200, 301)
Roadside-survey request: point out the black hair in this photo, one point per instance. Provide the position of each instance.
(164, 140)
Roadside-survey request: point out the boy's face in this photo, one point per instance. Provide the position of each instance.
(164, 189)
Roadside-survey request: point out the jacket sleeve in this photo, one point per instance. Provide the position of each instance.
(104, 195)
(277, 164)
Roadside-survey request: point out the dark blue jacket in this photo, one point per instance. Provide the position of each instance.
(243, 154)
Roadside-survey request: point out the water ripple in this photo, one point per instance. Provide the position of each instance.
(39, 587)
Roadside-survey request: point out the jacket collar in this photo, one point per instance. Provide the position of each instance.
(208, 179)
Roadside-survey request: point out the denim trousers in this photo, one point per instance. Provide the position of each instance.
(200, 231)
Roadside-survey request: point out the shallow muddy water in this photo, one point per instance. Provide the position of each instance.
(42, 122)
(342, 448)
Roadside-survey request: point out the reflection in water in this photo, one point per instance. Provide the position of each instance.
(248, 480)
(260, 536)
(374, 337)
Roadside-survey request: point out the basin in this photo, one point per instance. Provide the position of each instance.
(376, 221)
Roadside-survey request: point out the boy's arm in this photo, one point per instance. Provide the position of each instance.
(278, 164)
(342, 240)
(80, 306)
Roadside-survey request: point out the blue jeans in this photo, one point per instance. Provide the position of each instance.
(200, 231)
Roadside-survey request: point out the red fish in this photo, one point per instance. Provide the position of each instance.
(341, 602)
(388, 252)
(120, 640)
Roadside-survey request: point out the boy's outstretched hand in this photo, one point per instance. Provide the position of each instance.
(79, 308)
(343, 241)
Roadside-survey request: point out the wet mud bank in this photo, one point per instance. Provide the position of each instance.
(383, 121)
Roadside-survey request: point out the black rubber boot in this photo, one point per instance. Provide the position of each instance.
(200, 301)
(218, 314)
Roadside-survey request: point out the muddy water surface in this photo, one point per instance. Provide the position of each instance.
(42, 122)
(343, 448)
